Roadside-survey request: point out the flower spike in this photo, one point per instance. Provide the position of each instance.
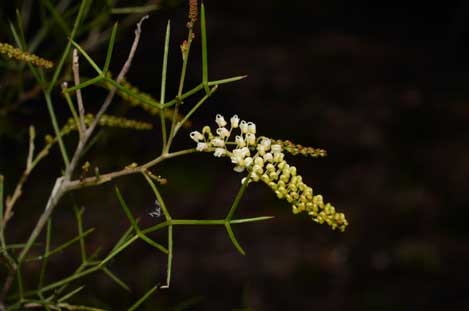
(264, 160)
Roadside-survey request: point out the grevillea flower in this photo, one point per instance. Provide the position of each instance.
(264, 160)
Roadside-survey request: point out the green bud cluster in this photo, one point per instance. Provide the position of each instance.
(12, 52)
(296, 149)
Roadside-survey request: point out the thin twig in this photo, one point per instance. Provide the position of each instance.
(107, 101)
(104, 178)
(81, 107)
(11, 200)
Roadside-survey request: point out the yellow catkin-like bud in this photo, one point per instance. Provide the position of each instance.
(16, 53)
(295, 149)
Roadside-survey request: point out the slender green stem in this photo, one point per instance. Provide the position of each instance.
(253, 219)
(110, 48)
(227, 80)
(69, 295)
(194, 109)
(60, 64)
(170, 256)
(158, 197)
(68, 99)
(228, 218)
(157, 227)
(55, 77)
(46, 251)
(116, 279)
(143, 298)
(82, 85)
(144, 9)
(65, 245)
(58, 291)
(198, 222)
(43, 301)
(55, 125)
(19, 20)
(118, 250)
(237, 199)
(78, 216)
(163, 84)
(64, 281)
(88, 58)
(233, 238)
(57, 16)
(185, 58)
(19, 279)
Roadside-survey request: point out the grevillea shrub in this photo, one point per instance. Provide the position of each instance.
(255, 157)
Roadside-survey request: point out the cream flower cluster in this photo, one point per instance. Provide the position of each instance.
(264, 161)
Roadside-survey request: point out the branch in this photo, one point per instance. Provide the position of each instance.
(107, 101)
(81, 108)
(104, 178)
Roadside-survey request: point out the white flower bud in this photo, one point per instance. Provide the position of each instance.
(257, 169)
(248, 161)
(259, 161)
(268, 157)
(196, 136)
(220, 120)
(276, 148)
(254, 177)
(223, 132)
(234, 121)
(218, 142)
(202, 146)
(219, 152)
(261, 149)
(238, 169)
(266, 143)
(251, 128)
(243, 126)
(245, 152)
(251, 139)
(240, 141)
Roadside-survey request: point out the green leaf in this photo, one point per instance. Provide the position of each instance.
(1, 203)
(87, 57)
(69, 295)
(116, 279)
(56, 16)
(233, 239)
(110, 48)
(144, 9)
(143, 298)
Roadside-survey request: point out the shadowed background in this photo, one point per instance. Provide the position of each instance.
(381, 86)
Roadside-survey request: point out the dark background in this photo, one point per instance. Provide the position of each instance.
(382, 85)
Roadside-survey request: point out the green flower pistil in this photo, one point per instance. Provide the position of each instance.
(264, 160)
